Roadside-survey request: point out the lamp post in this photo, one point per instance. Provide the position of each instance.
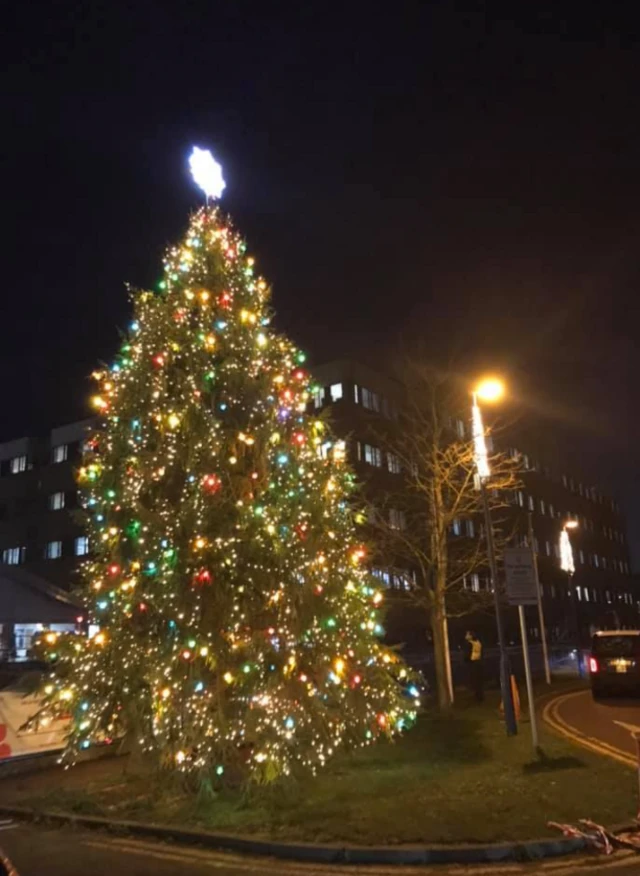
(490, 390)
(567, 565)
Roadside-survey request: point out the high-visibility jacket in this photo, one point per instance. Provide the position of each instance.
(476, 650)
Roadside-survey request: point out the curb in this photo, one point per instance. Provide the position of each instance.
(320, 854)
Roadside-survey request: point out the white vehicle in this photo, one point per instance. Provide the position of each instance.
(15, 709)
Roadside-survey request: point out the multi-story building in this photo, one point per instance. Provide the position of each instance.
(40, 535)
(41, 542)
(601, 593)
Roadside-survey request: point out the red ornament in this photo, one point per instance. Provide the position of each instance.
(300, 438)
(114, 569)
(225, 300)
(158, 360)
(211, 483)
(299, 374)
(202, 576)
(302, 529)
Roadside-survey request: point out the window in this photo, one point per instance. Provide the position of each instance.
(551, 511)
(456, 527)
(335, 391)
(542, 506)
(56, 501)
(475, 582)
(460, 430)
(18, 464)
(59, 453)
(393, 463)
(547, 548)
(13, 556)
(470, 527)
(81, 546)
(382, 575)
(318, 397)
(520, 498)
(581, 554)
(531, 503)
(53, 550)
(372, 455)
(370, 400)
(607, 594)
(356, 393)
(397, 519)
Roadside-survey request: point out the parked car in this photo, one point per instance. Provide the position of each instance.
(614, 664)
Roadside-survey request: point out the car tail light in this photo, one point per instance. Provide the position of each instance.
(593, 664)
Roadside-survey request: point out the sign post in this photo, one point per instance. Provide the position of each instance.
(522, 589)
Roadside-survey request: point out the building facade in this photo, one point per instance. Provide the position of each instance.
(40, 532)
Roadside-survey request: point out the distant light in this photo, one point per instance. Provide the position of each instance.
(571, 524)
(206, 172)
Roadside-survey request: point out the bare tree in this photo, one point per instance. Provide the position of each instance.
(432, 525)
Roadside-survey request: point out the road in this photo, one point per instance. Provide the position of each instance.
(605, 726)
(38, 851)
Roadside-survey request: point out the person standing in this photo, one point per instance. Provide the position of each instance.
(474, 658)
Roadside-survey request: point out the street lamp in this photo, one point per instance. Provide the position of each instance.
(568, 565)
(491, 389)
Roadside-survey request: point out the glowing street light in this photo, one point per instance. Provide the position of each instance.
(492, 389)
(206, 172)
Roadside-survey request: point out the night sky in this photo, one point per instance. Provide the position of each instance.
(442, 170)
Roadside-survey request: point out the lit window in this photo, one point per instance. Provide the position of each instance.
(520, 498)
(471, 530)
(81, 545)
(59, 453)
(579, 593)
(551, 511)
(472, 582)
(547, 547)
(56, 501)
(356, 393)
(13, 556)
(372, 455)
(542, 506)
(393, 463)
(531, 503)
(370, 400)
(460, 429)
(383, 576)
(53, 550)
(335, 391)
(397, 519)
(318, 397)
(456, 527)
(18, 464)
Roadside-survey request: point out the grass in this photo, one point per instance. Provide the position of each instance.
(451, 779)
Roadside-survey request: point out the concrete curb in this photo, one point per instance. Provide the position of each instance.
(319, 854)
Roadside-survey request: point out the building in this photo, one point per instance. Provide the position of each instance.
(601, 593)
(41, 542)
(39, 532)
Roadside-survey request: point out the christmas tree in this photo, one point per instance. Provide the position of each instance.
(239, 627)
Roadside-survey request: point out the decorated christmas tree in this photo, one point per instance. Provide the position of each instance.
(239, 630)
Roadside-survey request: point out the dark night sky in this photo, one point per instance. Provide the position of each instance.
(443, 166)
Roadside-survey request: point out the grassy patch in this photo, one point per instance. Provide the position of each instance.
(451, 779)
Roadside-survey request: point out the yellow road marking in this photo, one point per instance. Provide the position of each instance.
(551, 716)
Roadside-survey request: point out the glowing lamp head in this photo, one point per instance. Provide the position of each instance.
(490, 389)
(571, 524)
(206, 172)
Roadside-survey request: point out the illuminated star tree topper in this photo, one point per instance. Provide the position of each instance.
(207, 173)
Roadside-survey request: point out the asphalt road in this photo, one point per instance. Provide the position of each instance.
(608, 723)
(38, 851)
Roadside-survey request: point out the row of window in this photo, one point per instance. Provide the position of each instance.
(378, 458)
(18, 464)
(397, 580)
(15, 556)
(528, 501)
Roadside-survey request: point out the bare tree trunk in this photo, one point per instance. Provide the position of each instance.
(439, 652)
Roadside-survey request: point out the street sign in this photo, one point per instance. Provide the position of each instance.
(520, 576)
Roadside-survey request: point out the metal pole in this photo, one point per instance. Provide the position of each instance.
(505, 669)
(543, 632)
(527, 673)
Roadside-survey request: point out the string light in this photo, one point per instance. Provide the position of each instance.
(226, 576)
